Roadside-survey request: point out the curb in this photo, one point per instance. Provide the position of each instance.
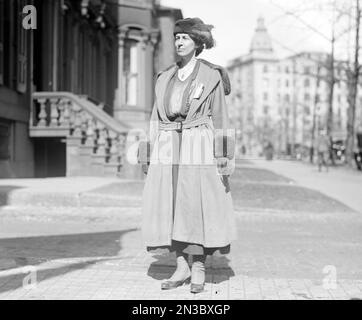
(66, 199)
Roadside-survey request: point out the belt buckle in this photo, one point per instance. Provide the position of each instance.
(179, 126)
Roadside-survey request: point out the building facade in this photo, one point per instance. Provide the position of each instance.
(285, 101)
(97, 56)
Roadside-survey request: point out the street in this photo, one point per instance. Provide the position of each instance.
(297, 239)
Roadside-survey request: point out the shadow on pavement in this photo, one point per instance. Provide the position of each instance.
(217, 268)
(5, 192)
(91, 248)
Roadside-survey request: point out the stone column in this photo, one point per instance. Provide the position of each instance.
(142, 71)
(154, 36)
(119, 94)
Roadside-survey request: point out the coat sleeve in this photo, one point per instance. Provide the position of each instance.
(219, 109)
(154, 123)
(224, 138)
(145, 146)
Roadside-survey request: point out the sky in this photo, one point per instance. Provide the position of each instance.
(308, 28)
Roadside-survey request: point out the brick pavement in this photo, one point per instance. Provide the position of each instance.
(93, 253)
(257, 268)
(114, 280)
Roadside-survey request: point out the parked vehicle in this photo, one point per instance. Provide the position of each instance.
(339, 151)
(358, 151)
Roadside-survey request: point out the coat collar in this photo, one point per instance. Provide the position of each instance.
(204, 77)
(209, 80)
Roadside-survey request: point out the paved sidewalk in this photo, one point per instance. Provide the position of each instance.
(113, 264)
(77, 252)
(112, 280)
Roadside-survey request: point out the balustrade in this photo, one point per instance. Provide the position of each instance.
(84, 125)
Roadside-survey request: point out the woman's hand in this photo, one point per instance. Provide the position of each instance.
(224, 166)
(145, 168)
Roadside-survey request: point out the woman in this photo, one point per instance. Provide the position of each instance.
(187, 205)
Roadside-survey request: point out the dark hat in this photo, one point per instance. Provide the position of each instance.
(197, 28)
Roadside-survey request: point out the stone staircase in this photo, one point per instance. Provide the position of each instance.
(96, 143)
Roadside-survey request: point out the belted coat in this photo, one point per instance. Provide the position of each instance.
(202, 211)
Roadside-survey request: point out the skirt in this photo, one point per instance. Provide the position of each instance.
(186, 247)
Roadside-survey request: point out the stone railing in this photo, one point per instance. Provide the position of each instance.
(95, 141)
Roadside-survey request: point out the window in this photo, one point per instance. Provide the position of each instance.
(286, 69)
(266, 109)
(287, 83)
(265, 68)
(265, 96)
(306, 82)
(286, 98)
(266, 83)
(2, 18)
(307, 70)
(306, 97)
(130, 71)
(306, 110)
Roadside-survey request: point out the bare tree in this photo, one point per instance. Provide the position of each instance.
(314, 123)
(338, 11)
(353, 79)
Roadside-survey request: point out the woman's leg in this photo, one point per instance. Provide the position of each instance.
(198, 270)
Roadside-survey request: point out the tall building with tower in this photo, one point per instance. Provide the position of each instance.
(285, 101)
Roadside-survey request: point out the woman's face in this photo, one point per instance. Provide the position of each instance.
(184, 44)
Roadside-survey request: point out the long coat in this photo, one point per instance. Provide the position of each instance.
(202, 211)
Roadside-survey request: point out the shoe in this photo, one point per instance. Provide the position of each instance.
(182, 270)
(167, 285)
(197, 288)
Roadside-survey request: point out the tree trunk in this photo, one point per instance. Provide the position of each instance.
(311, 155)
(352, 88)
(332, 81)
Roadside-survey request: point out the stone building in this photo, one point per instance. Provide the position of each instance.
(285, 101)
(74, 87)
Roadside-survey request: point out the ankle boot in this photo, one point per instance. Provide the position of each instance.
(197, 277)
(180, 276)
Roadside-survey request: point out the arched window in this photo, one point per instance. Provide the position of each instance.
(130, 71)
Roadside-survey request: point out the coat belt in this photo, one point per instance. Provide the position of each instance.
(187, 124)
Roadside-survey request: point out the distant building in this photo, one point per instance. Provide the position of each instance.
(72, 89)
(284, 100)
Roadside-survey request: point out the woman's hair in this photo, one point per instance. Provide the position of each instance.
(198, 31)
(202, 43)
